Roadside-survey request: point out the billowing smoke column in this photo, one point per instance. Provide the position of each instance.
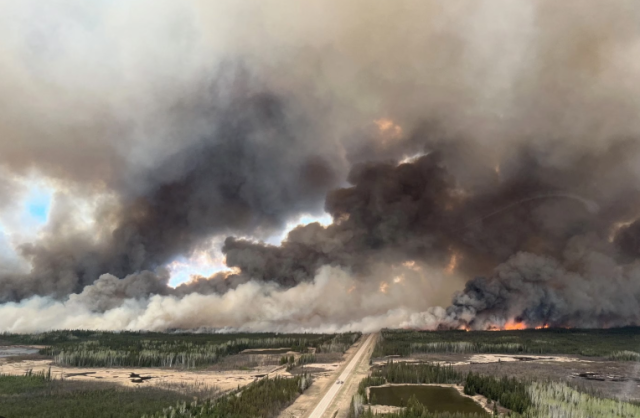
(493, 144)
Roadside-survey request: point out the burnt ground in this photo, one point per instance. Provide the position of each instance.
(614, 379)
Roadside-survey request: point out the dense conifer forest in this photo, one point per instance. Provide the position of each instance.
(615, 343)
(509, 393)
(184, 350)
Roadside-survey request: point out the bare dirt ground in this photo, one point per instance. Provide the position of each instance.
(223, 380)
(325, 375)
(616, 379)
(384, 409)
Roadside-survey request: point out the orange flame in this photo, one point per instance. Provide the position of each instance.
(512, 326)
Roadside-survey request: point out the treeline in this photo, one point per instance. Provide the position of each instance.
(624, 356)
(262, 399)
(291, 361)
(184, 350)
(616, 343)
(464, 347)
(557, 400)
(150, 353)
(509, 393)
(338, 344)
(402, 372)
(367, 382)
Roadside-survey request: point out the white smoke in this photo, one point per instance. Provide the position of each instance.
(333, 302)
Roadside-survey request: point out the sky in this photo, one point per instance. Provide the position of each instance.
(28, 215)
(426, 160)
(23, 217)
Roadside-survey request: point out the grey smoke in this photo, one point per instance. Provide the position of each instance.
(175, 122)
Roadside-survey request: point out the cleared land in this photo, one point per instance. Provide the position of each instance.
(510, 371)
(529, 373)
(80, 367)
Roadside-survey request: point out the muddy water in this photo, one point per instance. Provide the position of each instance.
(17, 351)
(436, 398)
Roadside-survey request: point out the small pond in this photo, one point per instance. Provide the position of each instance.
(436, 398)
(16, 351)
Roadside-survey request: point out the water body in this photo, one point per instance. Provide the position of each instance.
(436, 398)
(17, 351)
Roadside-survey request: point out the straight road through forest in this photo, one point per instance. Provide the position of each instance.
(321, 408)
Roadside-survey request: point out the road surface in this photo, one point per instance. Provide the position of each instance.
(321, 408)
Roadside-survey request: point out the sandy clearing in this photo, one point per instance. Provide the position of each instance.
(222, 380)
(384, 409)
(487, 358)
(496, 358)
(282, 350)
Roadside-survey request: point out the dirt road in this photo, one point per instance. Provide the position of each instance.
(335, 388)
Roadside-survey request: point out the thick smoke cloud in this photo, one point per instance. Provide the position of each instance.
(250, 307)
(158, 130)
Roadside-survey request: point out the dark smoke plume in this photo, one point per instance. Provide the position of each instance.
(494, 144)
(247, 174)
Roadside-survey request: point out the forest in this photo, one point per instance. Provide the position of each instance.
(183, 350)
(262, 399)
(614, 343)
(524, 399)
(38, 395)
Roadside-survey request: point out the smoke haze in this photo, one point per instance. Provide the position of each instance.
(482, 157)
